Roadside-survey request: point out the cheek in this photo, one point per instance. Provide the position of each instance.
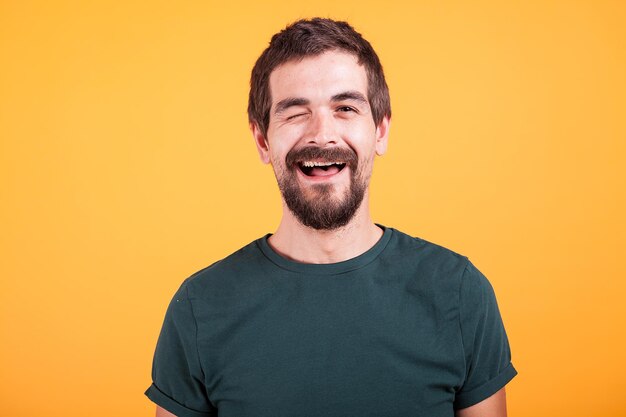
(363, 142)
(276, 160)
(281, 142)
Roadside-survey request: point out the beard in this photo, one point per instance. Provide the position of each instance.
(318, 207)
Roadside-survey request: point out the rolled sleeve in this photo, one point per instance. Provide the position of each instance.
(161, 399)
(177, 376)
(485, 343)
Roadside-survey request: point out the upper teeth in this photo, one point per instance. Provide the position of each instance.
(319, 164)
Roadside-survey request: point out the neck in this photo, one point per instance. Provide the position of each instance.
(303, 244)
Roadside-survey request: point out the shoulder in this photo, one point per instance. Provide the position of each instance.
(226, 275)
(416, 253)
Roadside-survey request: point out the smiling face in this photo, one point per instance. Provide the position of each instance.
(321, 139)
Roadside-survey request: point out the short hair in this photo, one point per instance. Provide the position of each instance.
(306, 38)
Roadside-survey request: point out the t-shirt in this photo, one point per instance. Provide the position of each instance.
(407, 328)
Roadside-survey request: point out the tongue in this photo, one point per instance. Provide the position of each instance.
(319, 172)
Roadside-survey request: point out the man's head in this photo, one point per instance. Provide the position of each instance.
(306, 38)
(319, 112)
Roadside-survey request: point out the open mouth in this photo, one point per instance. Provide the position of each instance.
(320, 168)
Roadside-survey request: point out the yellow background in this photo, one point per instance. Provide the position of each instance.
(126, 165)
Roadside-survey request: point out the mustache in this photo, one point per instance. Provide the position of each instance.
(335, 154)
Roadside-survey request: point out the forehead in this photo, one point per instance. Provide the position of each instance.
(318, 77)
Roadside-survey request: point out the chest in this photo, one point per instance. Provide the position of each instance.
(370, 349)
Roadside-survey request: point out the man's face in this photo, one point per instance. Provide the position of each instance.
(321, 139)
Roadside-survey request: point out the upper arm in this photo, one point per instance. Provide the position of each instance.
(177, 375)
(484, 341)
(162, 412)
(494, 406)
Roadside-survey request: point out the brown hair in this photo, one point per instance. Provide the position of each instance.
(312, 37)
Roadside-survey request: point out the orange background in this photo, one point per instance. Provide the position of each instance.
(126, 165)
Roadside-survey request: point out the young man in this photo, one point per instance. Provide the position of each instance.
(332, 315)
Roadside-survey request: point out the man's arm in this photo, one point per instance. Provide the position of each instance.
(494, 406)
(162, 412)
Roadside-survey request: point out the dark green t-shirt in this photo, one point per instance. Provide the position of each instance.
(408, 328)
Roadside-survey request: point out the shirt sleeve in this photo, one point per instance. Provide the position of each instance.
(485, 343)
(177, 377)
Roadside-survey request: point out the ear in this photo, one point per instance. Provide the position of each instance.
(382, 135)
(262, 145)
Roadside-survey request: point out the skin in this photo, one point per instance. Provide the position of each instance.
(161, 412)
(310, 107)
(324, 122)
(494, 406)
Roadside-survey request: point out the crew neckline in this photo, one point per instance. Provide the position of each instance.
(351, 264)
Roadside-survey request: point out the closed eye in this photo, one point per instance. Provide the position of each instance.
(295, 116)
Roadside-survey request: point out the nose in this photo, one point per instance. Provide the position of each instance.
(321, 130)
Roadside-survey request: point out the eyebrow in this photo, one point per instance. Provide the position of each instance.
(349, 95)
(290, 102)
(283, 105)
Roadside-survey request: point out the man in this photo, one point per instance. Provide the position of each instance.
(332, 315)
